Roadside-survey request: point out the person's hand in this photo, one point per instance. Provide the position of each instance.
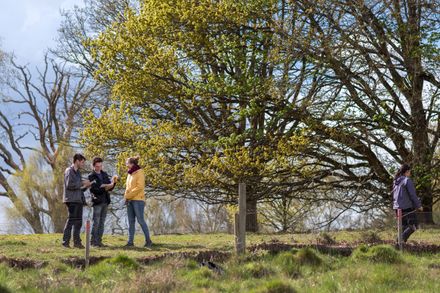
(107, 186)
(86, 183)
(115, 179)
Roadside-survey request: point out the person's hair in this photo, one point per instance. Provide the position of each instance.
(96, 160)
(78, 157)
(133, 160)
(402, 170)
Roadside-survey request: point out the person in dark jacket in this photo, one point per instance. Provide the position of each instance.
(405, 198)
(73, 197)
(101, 186)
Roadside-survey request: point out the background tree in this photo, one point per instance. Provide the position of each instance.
(85, 22)
(39, 119)
(378, 104)
(285, 214)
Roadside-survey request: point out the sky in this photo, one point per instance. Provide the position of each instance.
(27, 29)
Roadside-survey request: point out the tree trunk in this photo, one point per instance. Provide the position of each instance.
(426, 198)
(251, 216)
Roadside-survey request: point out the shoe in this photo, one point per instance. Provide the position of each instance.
(129, 245)
(79, 245)
(148, 244)
(102, 245)
(66, 245)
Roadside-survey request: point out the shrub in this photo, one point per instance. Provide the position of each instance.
(256, 270)
(308, 256)
(191, 264)
(326, 239)
(201, 277)
(288, 264)
(378, 253)
(276, 286)
(370, 237)
(124, 261)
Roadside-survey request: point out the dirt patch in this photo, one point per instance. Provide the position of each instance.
(343, 250)
(278, 247)
(78, 262)
(199, 256)
(218, 256)
(22, 263)
(421, 248)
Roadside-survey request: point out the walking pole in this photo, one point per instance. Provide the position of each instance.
(399, 229)
(87, 241)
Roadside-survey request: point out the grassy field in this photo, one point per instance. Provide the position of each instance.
(38, 263)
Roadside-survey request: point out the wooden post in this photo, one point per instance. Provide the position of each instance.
(399, 229)
(240, 220)
(87, 243)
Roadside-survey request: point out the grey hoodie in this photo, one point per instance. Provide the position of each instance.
(404, 194)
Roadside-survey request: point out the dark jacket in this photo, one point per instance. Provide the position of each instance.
(99, 195)
(72, 186)
(404, 194)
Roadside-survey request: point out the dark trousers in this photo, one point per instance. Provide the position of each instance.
(74, 220)
(99, 215)
(409, 223)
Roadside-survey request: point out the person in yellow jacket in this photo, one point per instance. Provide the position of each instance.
(135, 201)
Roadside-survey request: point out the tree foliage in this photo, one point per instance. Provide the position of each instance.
(285, 96)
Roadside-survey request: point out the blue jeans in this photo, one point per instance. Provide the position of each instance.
(135, 210)
(99, 214)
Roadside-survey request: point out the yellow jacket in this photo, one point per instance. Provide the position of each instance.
(135, 186)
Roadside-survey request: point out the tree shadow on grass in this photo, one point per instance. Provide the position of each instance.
(155, 247)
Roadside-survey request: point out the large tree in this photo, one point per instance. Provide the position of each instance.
(200, 92)
(379, 105)
(215, 93)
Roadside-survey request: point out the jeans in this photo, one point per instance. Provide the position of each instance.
(75, 213)
(409, 223)
(135, 210)
(99, 214)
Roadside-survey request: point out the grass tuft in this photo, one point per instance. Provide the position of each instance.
(378, 254)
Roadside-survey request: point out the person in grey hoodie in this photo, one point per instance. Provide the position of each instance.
(73, 197)
(405, 198)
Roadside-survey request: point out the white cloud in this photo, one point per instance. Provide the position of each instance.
(29, 27)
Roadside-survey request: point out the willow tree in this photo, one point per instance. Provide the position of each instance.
(38, 126)
(201, 90)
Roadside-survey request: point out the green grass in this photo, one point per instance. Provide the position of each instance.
(378, 268)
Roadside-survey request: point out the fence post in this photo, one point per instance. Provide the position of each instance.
(399, 229)
(240, 220)
(87, 243)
